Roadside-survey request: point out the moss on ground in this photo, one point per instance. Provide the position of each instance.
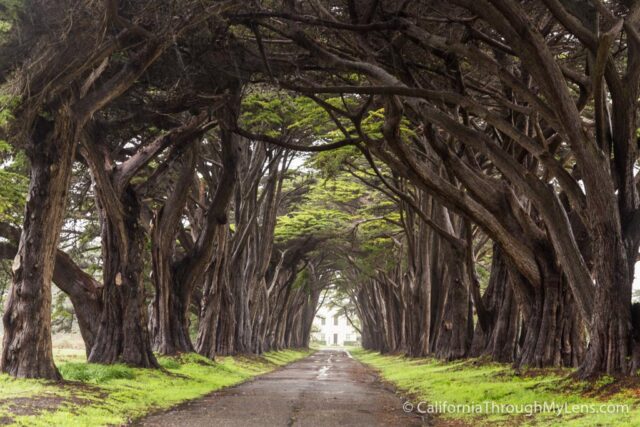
(97, 395)
(483, 386)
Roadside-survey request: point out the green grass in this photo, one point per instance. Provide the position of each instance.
(96, 395)
(482, 386)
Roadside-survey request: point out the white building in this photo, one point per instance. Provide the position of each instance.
(333, 328)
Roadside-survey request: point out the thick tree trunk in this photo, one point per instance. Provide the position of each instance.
(26, 350)
(82, 289)
(259, 316)
(453, 338)
(552, 326)
(175, 281)
(123, 335)
(497, 336)
(243, 326)
(216, 282)
(419, 315)
(226, 329)
(169, 315)
(610, 333)
(373, 338)
(169, 320)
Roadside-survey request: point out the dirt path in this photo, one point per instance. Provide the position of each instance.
(328, 388)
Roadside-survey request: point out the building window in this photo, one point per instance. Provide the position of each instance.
(335, 319)
(323, 321)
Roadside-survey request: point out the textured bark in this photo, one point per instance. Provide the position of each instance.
(169, 318)
(175, 281)
(27, 341)
(255, 208)
(552, 328)
(212, 325)
(497, 336)
(123, 333)
(81, 288)
(85, 295)
(610, 337)
(26, 348)
(123, 336)
(454, 335)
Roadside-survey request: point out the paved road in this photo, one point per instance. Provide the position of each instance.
(328, 388)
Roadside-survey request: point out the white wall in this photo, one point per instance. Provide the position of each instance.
(331, 333)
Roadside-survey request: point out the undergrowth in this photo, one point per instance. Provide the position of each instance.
(483, 393)
(96, 395)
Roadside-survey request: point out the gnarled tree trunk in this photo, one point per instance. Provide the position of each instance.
(496, 335)
(169, 317)
(26, 350)
(123, 335)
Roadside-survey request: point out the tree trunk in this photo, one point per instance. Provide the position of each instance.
(84, 292)
(169, 319)
(610, 335)
(82, 289)
(169, 322)
(26, 350)
(497, 336)
(208, 327)
(453, 338)
(552, 325)
(309, 311)
(123, 335)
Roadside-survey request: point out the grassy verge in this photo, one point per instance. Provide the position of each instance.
(96, 395)
(482, 393)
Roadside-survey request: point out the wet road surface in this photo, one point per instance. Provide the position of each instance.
(328, 388)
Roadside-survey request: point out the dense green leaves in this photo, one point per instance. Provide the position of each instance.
(12, 196)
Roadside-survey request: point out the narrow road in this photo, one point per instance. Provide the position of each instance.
(328, 388)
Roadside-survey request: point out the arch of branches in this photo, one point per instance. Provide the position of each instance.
(501, 134)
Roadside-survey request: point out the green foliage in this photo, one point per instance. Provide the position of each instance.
(301, 279)
(337, 207)
(330, 163)
(12, 197)
(311, 222)
(13, 178)
(334, 205)
(278, 113)
(374, 120)
(8, 13)
(8, 103)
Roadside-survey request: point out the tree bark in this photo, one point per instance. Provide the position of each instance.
(552, 332)
(610, 332)
(82, 289)
(212, 325)
(169, 320)
(497, 336)
(123, 335)
(27, 351)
